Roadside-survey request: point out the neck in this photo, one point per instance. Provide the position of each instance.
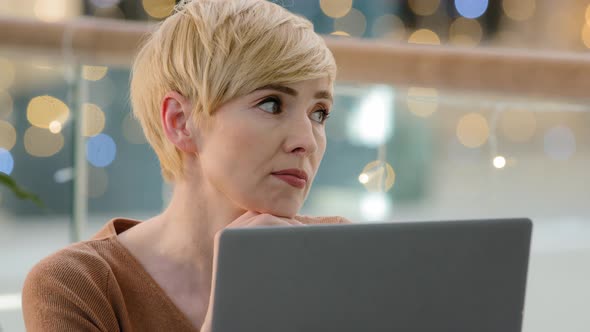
(190, 222)
(178, 243)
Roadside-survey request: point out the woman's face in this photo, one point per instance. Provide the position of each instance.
(262, 150)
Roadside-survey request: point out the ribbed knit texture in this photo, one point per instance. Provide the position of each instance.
(97, 285)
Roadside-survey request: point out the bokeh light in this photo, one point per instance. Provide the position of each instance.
(109, 12)
(424, 7)
(377, 176)
(354, 23)
(424, 36)
(499, 162)
(375, 206)
(372, 123)
(7, 135)
(132, 130)
(94, 120)
(519, 10)
(560, 143)
(101, 150)
(473, 130)
(55, 127)
(98, 182)
(57, 10)
(422, 101)
(389, 27)
(43, 110)
(94, 73)
(518, 125)
(471, 8)
(363, 178)
(40, 142)
(6, 161)
(336, 8)
(465, 32)
(64, 175)
(6, 104)
(158, 8)
(340, 33)
(586, 35)
(7, 73)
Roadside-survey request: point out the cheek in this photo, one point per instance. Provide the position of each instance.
(239, 150)
(322, 143)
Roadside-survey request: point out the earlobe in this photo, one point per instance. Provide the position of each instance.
(175, 118)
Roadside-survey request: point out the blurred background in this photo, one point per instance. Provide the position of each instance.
(445, 109)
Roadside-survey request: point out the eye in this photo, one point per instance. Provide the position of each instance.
(320, 115)
(270, 105)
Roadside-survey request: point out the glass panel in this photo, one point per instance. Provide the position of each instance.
(36, 151)
(123, 171)
(461, 155)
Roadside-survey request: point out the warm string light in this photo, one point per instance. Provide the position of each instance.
(354, 23)
(425, 37)
(465, 32)
(389, 27)
(7, 71)
(519, 10)
(473, 130)
(94, 73)
(6, 104)
(586, 35)
(377, 176)
(424, 7)
(158, 9)
(422, 102)
(336, 8)
(340, 33)
(40, 142)
(7, 135)
(43, 110)
(499, 162)
(94, 120)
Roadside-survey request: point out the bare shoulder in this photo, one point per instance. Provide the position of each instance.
(318, 220)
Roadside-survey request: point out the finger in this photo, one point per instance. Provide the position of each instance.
(270, 220)
(243, 219)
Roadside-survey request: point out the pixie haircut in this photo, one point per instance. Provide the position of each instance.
(211, 51)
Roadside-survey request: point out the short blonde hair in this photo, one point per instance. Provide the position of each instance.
(211, 51)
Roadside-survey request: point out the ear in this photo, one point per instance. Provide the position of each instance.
(176, 121)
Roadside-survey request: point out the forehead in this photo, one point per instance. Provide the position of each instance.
(320, 88)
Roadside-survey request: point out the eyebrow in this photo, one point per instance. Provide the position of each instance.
(292, 92)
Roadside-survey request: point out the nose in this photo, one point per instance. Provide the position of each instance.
(300, 136)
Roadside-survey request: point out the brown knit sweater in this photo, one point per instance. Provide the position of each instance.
(98, 285)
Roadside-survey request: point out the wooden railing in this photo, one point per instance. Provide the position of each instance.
(507, 71)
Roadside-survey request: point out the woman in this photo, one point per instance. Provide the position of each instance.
(233, 97)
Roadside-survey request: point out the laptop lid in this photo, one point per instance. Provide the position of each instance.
(420, 276)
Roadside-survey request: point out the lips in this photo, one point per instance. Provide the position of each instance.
(294, 172)
(294, 177)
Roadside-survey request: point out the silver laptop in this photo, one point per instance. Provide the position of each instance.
(412, 277)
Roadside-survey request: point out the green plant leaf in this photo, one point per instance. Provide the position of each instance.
(19, 192)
